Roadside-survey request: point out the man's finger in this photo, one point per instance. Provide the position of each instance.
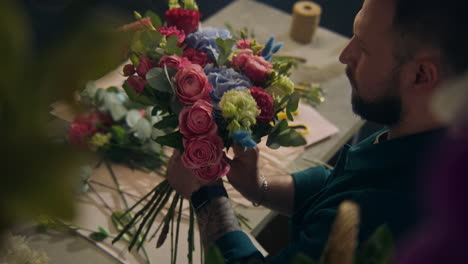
(240, 152)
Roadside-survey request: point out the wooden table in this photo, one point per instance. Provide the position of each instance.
(322, 54)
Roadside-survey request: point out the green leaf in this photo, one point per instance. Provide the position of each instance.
(171, 121)
(100, 235)
(157, 79)
(146, 41)
(291, 138)
(118, 134)
(293, 103)
(284, 136)
(173, 140)
(172, 42)
(134, 96)
(155, 19)
(225, 49)
(290, 116)
(213, 256)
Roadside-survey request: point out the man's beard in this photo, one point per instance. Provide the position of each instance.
(386, 110)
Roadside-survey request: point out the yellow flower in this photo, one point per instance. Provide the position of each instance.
(99, 140)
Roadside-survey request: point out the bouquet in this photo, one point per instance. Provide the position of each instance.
(118, 129)
(209, 91)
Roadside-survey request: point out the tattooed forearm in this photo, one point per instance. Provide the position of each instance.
(215, 219)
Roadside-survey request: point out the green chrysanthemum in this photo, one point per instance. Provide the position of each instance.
(280, 88)
(241, 108)
(99, 140)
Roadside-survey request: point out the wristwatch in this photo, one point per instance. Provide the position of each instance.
(203, 195)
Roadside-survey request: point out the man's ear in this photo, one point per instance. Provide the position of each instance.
(426, 76)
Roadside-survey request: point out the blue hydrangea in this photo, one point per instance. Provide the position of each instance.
(205, 39)
(224, 79)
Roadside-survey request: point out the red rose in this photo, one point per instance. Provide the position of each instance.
(202, 151)
(137, 83)
(212, 172)
(99, 121)
(186, 20)
(265, 103)
(197, 120)
(85, 127)
(128, 70)
(174, 61)
(197, 56)
(80, 131)
(173, 31)
(144, 65)
(255, 67)
(192, 84)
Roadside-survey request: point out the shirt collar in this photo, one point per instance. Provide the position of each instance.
(400, 152)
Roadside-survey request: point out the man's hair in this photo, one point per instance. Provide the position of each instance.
(437, 24)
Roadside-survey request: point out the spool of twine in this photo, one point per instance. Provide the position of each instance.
(305, 21)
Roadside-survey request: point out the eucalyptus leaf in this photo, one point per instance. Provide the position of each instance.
(115, 106)
(157, 79)
(143, 129)
(132, 118)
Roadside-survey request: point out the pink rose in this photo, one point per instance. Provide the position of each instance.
(197, 56)
(241, 58)
(212, 172)
(137, 83)
(174, 61)
(197, 120)
(244, 43)
(202, 151)
(173, 31)
(145, 64)
(255, 67)
(192, 84)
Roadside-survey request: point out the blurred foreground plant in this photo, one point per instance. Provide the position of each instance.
(37, 175)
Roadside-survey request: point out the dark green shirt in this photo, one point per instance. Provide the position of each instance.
(380, 177)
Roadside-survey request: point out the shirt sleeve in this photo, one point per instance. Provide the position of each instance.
(236, 246)
(309, 182)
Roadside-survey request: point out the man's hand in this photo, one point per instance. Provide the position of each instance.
(244, 175)
(181, 178)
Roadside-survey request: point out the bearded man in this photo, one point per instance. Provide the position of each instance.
(401, 53)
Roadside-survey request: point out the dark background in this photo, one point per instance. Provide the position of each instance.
(51, 19)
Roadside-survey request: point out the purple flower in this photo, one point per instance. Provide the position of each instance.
(224, 79)
(205, 39)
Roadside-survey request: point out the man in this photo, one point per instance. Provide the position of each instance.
(401, 53)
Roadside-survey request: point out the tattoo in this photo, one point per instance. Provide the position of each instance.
(215, 219)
